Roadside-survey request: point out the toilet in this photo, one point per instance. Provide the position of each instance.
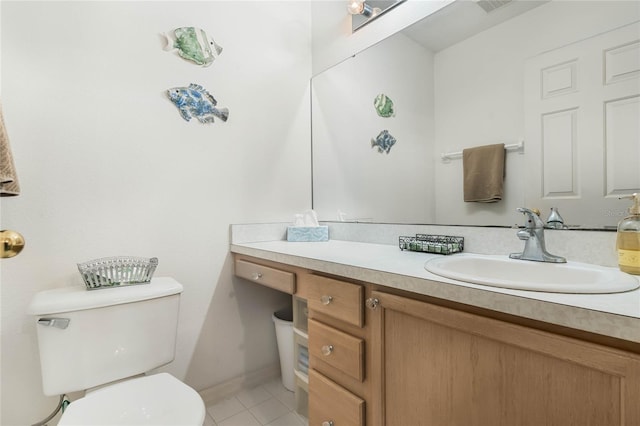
(103, 342)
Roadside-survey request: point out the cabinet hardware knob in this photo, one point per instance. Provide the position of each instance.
(326, 299)
(327, 423)
(257, 275)
(327, 350)
(372, 303)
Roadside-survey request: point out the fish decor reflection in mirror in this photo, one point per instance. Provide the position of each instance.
(384, 141)
(384, 106)
(385, 109)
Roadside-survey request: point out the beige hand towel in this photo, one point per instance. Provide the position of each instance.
(483, 173)
(8, 177)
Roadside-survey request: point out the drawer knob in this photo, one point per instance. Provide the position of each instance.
(256, 275)
(372, 303)
(326, 299)
(327, 423)
(326, 350)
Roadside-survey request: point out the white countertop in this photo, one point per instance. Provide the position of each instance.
(615, 315)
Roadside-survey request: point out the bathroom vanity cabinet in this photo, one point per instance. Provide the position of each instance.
(383, 356)
(434, 365)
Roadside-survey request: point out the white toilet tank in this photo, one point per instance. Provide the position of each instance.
(111, 333)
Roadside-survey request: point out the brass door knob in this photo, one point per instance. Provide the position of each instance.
(12, 243)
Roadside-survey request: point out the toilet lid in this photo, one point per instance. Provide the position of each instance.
(159, 399)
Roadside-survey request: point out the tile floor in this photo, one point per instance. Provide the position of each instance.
(269, 404)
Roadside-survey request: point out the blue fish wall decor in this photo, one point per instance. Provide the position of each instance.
(193, 44)
(195, 101)
(384, 141)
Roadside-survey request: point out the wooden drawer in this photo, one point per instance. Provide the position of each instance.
(270, 277)
(338, 299)
(337, 349)
(329, 402)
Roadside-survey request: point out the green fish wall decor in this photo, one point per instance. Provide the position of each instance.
(384, 106)
(193, 44)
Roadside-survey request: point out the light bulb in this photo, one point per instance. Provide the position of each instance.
(355, 7)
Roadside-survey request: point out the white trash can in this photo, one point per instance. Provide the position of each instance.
(283, 321)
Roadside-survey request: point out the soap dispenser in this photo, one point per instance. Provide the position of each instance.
(628, 241)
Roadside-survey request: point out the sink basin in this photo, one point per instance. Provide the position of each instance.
(501, 271)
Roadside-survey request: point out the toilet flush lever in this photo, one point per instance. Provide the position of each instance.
(55, 322)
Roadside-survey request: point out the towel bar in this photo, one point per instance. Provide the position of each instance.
(511, 147)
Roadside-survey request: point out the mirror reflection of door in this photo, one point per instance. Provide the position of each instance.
(582, 109)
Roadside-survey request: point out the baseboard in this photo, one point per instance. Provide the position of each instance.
(229, 388)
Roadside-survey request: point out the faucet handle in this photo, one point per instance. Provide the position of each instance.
(533, 219)
(555, 220)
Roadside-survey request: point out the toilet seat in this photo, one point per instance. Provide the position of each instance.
(159, 399)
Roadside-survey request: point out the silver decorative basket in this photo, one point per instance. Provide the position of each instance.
(439, 244)
(117, 271)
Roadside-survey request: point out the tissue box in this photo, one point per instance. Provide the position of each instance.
(308, 233)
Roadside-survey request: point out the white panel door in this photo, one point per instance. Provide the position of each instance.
(582, 127)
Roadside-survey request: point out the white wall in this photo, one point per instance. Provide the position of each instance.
(479, 96)
(108, 167)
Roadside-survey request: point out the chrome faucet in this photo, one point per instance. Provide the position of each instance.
(533, 235)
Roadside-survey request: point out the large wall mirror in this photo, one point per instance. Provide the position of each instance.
(562, 76)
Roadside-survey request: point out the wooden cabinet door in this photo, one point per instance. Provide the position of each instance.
(441, 367)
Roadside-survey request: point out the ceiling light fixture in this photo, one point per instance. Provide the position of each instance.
(359, 7)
